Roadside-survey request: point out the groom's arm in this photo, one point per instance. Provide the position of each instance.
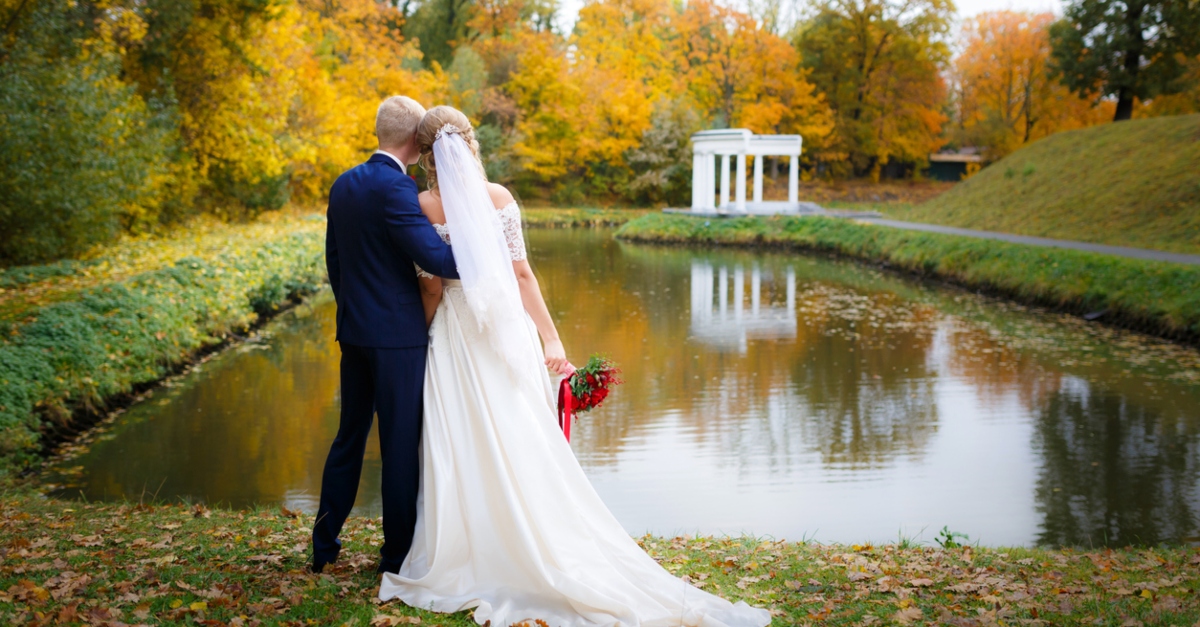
(412, 232)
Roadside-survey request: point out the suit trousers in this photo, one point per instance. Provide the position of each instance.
(388, 382)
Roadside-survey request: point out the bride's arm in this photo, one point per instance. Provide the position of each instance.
(431, 286)
(431, 296)
(535, 306)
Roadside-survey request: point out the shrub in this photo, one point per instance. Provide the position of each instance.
(77, 354)
(82, 155)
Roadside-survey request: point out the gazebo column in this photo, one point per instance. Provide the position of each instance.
(709, 180)
(794, 179)
(724, 181)
(740, 195)
(697, 180)
(758, 168)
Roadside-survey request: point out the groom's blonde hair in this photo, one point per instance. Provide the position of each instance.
(396, 121)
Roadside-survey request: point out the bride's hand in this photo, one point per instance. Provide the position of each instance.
(556, 358)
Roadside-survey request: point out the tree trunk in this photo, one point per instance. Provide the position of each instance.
(1124, 105)
(1132, 61)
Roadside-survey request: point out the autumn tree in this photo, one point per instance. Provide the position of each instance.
(1005, 96)
(83, 156)
(1184, 101)
(879, 63)
(1128, 49)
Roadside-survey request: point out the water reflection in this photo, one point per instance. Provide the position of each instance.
(724, 322)
(766, 393)
(1114, 472)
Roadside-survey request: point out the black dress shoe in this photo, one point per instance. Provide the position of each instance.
(385, 567)
(320, 562)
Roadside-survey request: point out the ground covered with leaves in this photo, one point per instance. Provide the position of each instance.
(123, 564)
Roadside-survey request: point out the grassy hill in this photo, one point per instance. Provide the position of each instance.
(1134, 183)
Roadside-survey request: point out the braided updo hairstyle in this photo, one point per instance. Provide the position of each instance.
(427, 130)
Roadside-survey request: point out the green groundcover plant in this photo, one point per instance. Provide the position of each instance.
(83, 347)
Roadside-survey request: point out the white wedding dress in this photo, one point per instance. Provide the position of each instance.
(507, 522)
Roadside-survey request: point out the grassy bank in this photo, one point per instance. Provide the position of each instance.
(76, 335)
(1159, 298)
(67, 563)
(1128, 184)
(578, 218)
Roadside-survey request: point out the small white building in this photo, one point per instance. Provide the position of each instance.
(734, 145)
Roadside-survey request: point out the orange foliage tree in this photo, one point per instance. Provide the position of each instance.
(1005, 96)
(615, 103)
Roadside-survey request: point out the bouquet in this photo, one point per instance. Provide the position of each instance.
(585, 389)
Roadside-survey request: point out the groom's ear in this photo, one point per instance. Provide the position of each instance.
(414, 149)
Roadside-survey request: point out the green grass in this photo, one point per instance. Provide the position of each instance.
(64, 562)
(1134, 183)
(577, 218)
(1160, 298)
(77, 335)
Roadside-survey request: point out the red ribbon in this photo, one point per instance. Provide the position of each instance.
(565, 398)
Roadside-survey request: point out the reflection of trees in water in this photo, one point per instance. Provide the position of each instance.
(1115, 472)
(766, 401)
(253, 425)
(864, 376)
(996, 371)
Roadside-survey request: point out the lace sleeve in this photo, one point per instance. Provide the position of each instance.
(443, 232)
(510, 218)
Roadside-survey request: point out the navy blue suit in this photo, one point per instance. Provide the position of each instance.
(376, 232)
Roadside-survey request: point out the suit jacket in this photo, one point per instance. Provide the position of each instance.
(375, 232)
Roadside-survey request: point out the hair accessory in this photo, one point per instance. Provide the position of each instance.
(447, 129)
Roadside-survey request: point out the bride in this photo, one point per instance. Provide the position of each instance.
(507, 522)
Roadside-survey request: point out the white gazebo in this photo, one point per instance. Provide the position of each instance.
(736, 143)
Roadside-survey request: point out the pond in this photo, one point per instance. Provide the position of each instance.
(771, 394)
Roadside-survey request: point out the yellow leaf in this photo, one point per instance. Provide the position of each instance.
(197, 606)
(176, 604)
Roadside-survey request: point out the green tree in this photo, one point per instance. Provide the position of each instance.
(1130, 49)
(440, 27)
(663, 161)
(82, 155)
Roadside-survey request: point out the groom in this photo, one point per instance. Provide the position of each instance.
(376, 231)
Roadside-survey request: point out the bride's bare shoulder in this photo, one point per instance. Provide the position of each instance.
(431, 206)
(501, 197)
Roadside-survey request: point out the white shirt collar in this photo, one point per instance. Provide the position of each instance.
(394, 158)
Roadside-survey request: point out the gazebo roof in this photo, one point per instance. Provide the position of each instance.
(734, 141)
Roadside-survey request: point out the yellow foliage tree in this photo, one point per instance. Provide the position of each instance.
(547, 139)
(878, 63)
(277, 101)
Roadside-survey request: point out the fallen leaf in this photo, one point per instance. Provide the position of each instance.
(908, 615)
(386, 620)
